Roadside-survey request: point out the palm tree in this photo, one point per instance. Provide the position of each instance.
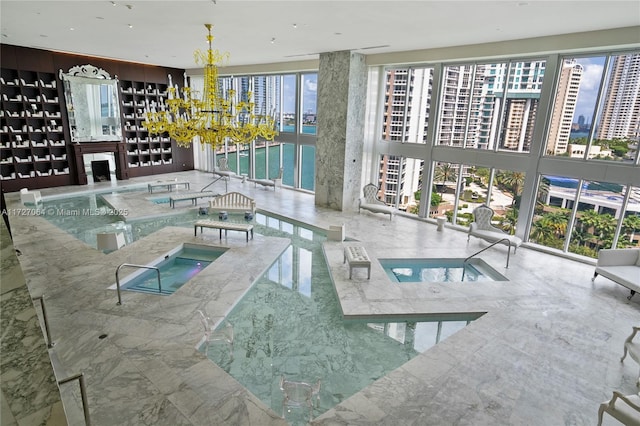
(482, 173)
(604, 230)
(540, 232)
(631, 225)
(513, 181)
(509, 220)
(444, 172)
(557, 222)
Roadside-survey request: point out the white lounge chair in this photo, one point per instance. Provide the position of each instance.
(371, 202)
(223, 169)
(481, 227)
(633, 349)
(269, 182)
(624, 408)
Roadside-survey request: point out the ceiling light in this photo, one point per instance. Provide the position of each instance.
(130, 26)
(295, 25)
(71, 29)
(215, 117)
(273, 40)
(113, 3)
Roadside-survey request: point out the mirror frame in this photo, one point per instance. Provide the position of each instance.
(74, 80)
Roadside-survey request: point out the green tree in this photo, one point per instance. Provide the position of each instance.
(445, 172)
(513, 181)
(509, 220)
(482, 174)
(630, 227)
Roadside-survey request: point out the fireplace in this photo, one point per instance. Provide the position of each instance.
(99, 167)
(111, 153)
(100, 170)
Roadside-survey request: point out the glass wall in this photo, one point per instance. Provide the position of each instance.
(505, 107)
(508, 108)
(582, 216)
(287, 97)
(595, 109)
(490, 106)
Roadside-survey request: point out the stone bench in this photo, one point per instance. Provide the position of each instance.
(169, 184)
(226, 226)
(193, 196)
(357, 257)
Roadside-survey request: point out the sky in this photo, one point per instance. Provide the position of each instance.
(309, 93)
(589, 85)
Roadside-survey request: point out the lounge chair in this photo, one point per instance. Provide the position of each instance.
(481, 227)
(624, 408)
(633, 349)
(269, 182)
(223, 169)
(223, 172)
(371, 202)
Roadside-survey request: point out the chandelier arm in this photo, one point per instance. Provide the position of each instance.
(212, 117)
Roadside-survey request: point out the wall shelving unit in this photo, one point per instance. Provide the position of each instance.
(144, 152)
(35, 140)
(33, 146)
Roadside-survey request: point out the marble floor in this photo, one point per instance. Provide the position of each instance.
(545, 351)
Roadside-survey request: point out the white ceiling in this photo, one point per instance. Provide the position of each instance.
(167, 32)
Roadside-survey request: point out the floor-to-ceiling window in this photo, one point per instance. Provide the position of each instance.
(292, 100)
(535, 117)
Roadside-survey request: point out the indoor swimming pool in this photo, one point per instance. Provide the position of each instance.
(290, 322)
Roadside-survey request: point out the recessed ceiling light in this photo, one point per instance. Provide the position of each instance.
(130, 26)
(273, 40)
(295, 25)
(72, 29)
(99, 17)
(44, 35)
(113, 3)
(337, 33)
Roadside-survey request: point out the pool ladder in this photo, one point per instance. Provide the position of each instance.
(464, 262)
(135, 266)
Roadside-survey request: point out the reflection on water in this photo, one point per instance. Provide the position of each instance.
(290, 324)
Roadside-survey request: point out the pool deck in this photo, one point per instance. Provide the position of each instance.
(545, 351)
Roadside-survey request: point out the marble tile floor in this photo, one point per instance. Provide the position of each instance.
(545, 351)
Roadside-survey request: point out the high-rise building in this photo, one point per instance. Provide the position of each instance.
(620, 117)
(564, 107)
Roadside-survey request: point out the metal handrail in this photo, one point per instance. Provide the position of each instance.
(135, 266)
(83, 395)
(215, 180)
(45, 320)
(464, 262)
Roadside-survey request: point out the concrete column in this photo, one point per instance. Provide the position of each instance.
(342, 82)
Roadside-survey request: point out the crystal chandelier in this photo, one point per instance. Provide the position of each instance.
(214, 117)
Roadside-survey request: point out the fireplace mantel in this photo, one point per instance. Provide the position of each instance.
(120, 154)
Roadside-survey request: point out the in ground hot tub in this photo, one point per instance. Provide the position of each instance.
(176, 268)
(439, 270)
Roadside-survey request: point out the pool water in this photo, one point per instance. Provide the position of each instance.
(437, 270)
(290, 322)
(69, 215)
(175, 270)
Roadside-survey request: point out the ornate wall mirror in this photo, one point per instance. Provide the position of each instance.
(92, 104)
